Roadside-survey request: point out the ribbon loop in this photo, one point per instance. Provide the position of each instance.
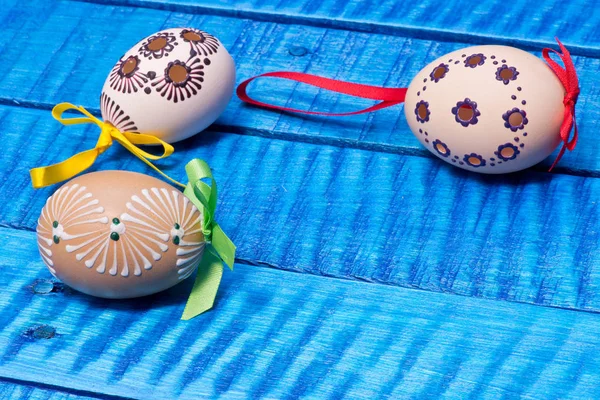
(388, 96)
(569, 80)
(49, 175)
(59, 109)
(220, 249)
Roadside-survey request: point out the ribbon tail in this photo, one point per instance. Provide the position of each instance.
(46, 176)
(208, 279)
(156, 169)
(223, 246)
(558, 157)
(573, 142)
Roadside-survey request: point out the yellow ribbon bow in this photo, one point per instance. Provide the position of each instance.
(49, 175)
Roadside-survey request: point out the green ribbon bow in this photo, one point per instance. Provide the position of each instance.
(219, 248)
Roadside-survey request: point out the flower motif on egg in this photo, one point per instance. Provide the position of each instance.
(466, 112)
(506, 74)
(114, 114)
(158, 45)
(126, 76)
(475, 60)
(474, 160)
(422, 111)
(441, 148)
(181, 79)
(68, 207)
(124, 244)
(170, 217)
(507, 152)
(200, 42)
(439, 72)
(515, 119)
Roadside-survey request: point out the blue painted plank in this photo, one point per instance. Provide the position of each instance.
(12, 389)
(426, 363)
(520, 21)
(276, 334)
(355, 214)
(68, 55)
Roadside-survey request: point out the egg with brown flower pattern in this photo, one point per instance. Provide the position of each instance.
(172, 85)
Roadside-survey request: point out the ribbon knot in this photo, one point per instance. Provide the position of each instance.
(49, 175)
(571, 98)
(220, 249)
(569, 80)
(105, 138)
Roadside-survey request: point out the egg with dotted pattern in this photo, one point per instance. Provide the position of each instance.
(119, 234)
(172, 85)
(490, 109)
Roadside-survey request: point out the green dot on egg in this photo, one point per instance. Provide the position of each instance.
(56, 239)
(116, 221)
(176, 240)
(177, 225)
(114, 236)
(55, 224)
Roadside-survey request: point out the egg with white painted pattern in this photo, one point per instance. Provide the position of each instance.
(119, 234)
(172, 85)
(490, 109)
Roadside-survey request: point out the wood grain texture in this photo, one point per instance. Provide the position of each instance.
(276, 334)
(69, 55)
(361, 215)
(450, 284)
(519, 22)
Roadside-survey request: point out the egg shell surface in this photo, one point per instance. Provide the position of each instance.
(172, 85)
(490, 109)
(119, 234)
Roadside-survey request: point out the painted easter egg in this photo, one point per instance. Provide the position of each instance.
(118, 234)
(490, 109)
(172, 84)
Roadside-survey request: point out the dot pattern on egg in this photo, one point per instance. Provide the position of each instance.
(122, 245)
(467, 113)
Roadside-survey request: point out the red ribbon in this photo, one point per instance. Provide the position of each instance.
(393, 96)
(390, 96)
(568, 78)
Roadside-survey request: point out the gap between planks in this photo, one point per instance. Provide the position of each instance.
(408, 31)
(63, 389)
(333, 141)
(263, 264)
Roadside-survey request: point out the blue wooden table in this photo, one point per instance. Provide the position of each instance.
(366, 267)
